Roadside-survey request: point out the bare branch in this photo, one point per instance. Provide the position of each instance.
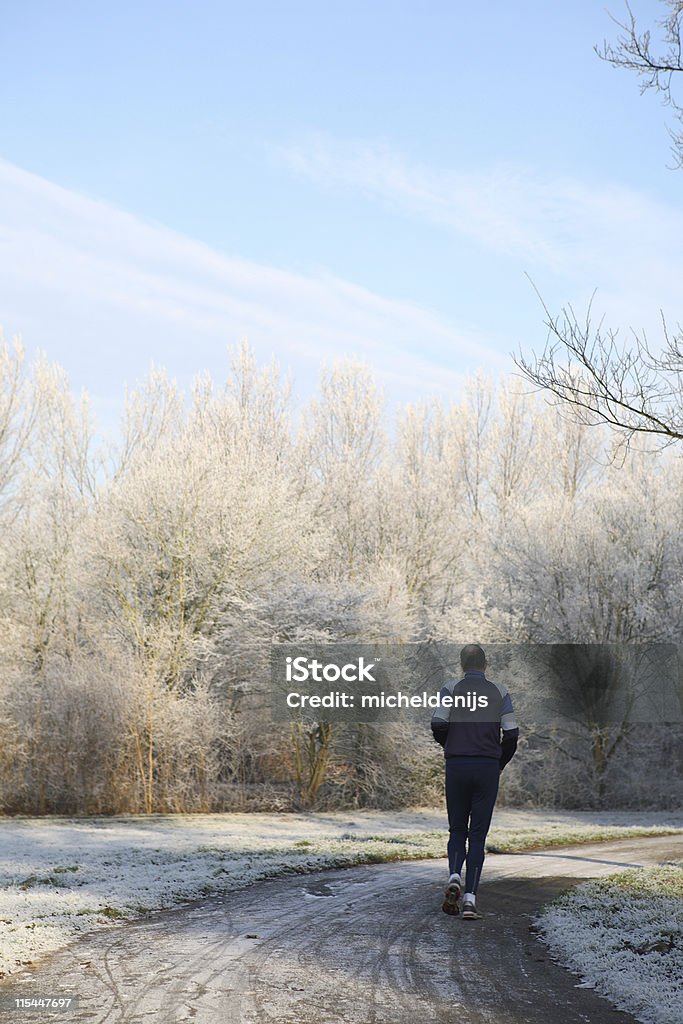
(630, 389)
(656, 70)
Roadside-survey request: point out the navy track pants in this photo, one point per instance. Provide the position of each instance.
(471, 791)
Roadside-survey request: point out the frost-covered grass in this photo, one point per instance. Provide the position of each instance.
(518, 840)
(624, 935)
(61, 877)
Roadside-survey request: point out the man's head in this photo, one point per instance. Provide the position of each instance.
(472, 658)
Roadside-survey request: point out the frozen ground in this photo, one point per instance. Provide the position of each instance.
(62, 877)
(363, 945)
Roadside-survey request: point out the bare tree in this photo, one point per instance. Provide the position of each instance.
(632, 389)
(657, 70)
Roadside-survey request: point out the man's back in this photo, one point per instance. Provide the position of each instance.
(472, 712)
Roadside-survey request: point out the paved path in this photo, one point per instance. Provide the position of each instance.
(365, 945)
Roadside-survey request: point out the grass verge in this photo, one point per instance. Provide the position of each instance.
(623, 935)
(544, 837)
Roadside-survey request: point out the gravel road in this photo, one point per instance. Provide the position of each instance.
(366, 945)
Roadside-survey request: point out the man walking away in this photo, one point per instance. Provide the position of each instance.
(468, 723)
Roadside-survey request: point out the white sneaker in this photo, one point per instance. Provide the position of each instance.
(452, 895)
(469, 910)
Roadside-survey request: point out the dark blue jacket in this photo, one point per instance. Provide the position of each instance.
(473, 713)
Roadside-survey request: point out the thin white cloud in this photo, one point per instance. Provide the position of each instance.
(610, 237)
(105, 293)
(474, 206)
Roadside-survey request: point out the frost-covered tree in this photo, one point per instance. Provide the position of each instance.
(343, 442)
(142, 584)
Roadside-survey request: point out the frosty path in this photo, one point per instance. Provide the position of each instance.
(367, 945)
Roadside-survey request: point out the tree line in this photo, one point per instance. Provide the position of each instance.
(144, 578)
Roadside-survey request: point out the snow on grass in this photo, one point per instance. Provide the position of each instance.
(624, 935)
(61, 877)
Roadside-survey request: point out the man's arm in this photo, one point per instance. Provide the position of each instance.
(440, 719)
(508, 745)
(508, 724)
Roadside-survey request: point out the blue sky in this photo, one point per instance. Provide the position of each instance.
(326, 179)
